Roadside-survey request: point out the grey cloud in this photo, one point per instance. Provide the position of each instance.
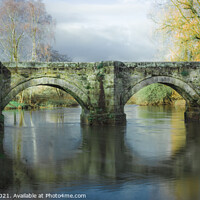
(92, 32)
(90, 46)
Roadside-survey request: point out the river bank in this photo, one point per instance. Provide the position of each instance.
(156, 95)
(41, 97)
(47, 97)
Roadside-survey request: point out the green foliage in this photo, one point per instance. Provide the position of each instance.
(184, 73)
(14, 105)
(42, 97)
(110, 116)
(1, 118)
(100, 76)
(88, 87)
(154, 94)
(100, 66)
(1, 156)
(58, 103)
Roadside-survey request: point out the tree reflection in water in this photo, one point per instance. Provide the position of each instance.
(61, 155)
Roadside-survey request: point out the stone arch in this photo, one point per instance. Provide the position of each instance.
(183, 88)
(74, 91)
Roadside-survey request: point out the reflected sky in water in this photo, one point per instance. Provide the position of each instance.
(155, 133)
(155, 156)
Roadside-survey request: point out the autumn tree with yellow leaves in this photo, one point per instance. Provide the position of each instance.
(180, 23)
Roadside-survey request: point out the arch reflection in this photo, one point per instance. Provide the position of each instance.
(99, 156)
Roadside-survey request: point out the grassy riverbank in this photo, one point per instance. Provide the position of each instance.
(42, 97)
(157, 94)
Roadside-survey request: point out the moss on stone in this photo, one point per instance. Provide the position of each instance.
(184, 73)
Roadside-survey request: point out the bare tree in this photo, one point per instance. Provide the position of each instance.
(27, 33)
(13, 26)
(25, 30)
(41, 29)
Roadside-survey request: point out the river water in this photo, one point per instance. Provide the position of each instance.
(154, 157)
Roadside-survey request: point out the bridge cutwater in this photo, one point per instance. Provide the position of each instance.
(103, 88)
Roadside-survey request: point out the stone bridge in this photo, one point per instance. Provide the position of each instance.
(103, 88)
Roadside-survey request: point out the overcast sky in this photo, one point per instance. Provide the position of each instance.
(99, 30)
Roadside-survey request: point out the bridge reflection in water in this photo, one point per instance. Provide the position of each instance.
(156, 154)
